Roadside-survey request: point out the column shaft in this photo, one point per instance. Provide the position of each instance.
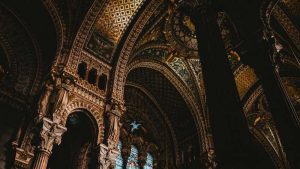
(232, 139)
(41, 160)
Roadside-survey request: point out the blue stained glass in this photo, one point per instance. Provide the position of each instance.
(119, 161)
(132, 162)
(149, 162)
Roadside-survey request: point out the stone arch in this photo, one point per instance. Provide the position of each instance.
(277, 156)
(197, 113)
(82, 35)
(118, 82)
(60, 27)
(94, 111)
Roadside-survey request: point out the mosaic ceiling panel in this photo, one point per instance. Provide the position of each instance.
(112, 22)
(116, 17)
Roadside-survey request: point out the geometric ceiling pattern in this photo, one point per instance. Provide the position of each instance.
(115, 17)
(108, 29)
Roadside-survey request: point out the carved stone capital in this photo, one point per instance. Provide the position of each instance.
(107, 157)
(22, 158)
(112, 156)
(102, 158)
(50, 134)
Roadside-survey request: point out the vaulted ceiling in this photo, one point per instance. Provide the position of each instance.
(28, 40)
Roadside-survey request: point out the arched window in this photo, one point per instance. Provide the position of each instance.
(119, 161)
(102, 82)
(81, 70)
(92, 76)
(132, 162)
(149, 162)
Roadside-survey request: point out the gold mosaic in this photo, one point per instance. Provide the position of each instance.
(116, 16)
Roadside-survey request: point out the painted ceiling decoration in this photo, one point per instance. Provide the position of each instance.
(109, 28)
(133, 68)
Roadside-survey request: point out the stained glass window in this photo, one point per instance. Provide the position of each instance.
(119, 161)
(132, 162)
(149, 162)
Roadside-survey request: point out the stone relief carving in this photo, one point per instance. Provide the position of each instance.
(44, 101)
(107, 157)
(114, 126)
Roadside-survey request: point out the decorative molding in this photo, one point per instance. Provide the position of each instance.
(120, 68)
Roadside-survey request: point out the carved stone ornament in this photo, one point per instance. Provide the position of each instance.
(61, 98)
(104, 162)
(44, 101)
(22, 158)
(114, 126)
(50, 134)
(112, 156)
(107, 157)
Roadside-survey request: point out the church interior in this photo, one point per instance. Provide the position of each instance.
(149, 84)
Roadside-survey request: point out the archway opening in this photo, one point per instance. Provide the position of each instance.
(76, 148)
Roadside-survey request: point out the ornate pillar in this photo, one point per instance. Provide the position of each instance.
(231, 136)
(50, 134)
(109, 152)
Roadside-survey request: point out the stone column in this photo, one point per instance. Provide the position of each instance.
(50, 134)
(231, 136)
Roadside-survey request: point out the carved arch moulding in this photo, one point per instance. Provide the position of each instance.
(95, 111)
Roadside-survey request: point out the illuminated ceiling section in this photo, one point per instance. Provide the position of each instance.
(115, 18)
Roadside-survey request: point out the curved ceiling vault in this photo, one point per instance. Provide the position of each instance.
(112, 21)
(169, 99)
(29, 49)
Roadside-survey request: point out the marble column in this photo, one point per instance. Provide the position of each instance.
(50, 135)
(231, 136)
